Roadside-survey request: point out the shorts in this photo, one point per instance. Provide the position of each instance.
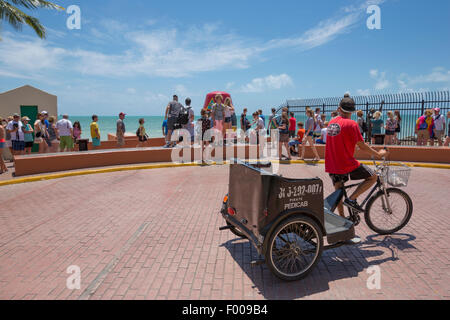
(227, 119)
(120, 141)
(294, 143)
(66, 142)
(311, 134)
(171, 122)
(284, 137)
(438, 134)
(29, 144)
(2, 145)
(142, 138)
(397, 129)
(18, 145)
(96, 142)
(292, 134)
(218, 124)
(423, 135)
(362, 173)
(390, 133)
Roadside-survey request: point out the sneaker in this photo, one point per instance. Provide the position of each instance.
(352, 204)
(167, 146)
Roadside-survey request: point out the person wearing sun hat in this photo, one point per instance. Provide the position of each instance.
(28, 135)
(120, 132)
(15, 128)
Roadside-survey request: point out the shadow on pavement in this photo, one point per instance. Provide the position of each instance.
(335, 264)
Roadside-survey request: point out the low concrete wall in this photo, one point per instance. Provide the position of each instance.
(35, 164)
(130, 142)
(397, 153)
(46, 163)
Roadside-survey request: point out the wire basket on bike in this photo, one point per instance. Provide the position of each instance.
(398, 176)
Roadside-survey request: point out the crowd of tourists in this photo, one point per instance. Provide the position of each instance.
(49, 135)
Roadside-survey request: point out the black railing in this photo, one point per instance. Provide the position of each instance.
(410, 105)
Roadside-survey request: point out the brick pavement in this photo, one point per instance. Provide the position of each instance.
(153, 234)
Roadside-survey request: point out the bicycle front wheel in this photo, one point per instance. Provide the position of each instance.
(387, 215)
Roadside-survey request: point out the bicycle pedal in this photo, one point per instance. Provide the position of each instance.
(256, 263)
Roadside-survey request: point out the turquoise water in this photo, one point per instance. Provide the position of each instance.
(107, 124)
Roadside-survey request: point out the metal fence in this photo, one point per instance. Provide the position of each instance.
(410, 105)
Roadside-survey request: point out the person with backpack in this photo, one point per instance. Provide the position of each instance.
(187, 118)
(425, 128)
(283, 128)
(173, 110)
(141, 133)
(362, 124)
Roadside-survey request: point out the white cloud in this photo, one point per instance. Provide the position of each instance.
(168, 52)
(268, 83)
(363, 92)
(29, 55)
(381, 81)
(437, 76)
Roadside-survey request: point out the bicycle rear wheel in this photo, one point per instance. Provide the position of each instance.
(384, 221)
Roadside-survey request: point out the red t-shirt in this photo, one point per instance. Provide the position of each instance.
(342, 136)
(292, 124)
(301, 134)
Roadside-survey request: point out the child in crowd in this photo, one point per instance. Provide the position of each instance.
(76, 131)
(141, 133)
(323, 134)
(204, 125)
(298, 141)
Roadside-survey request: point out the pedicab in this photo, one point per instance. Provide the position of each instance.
(287, 220)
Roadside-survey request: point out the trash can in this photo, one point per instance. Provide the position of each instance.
(83, 144)
(379, 139)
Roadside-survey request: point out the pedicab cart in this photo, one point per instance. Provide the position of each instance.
(284, 219)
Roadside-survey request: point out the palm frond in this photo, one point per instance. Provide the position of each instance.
(17, 18)
(34, 4)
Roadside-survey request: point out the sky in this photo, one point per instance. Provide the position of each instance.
(133, 56)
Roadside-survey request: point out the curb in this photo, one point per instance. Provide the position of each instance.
(177, 165)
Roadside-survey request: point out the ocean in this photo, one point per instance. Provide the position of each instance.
(107, 124)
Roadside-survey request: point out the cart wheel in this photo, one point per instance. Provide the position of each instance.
(236, 231)
(294, 248)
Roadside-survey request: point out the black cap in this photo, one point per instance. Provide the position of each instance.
(347, 104)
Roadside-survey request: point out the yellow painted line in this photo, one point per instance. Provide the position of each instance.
(177, 165)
